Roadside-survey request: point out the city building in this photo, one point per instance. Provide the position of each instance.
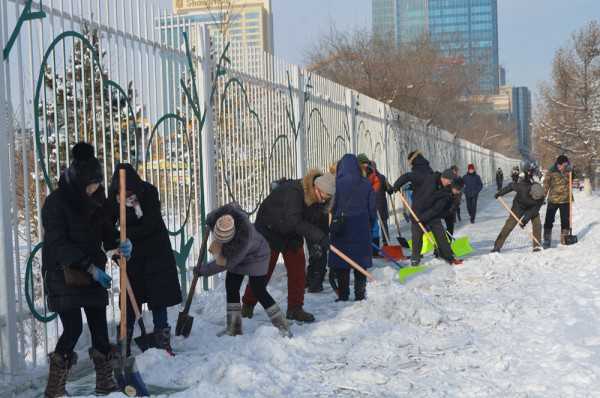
(465, 29)
(502, 76)
(522, 115)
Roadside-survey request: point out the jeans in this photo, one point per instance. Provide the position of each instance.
(72, 323)
(258, 284)
(472, 206)
(551, 215)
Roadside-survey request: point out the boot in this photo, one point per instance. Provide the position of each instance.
(360, 287)
(298, 314)
(415, 261)
(234, 319)
(247, 310)
(495, 250)
(277, 319)
(563, 236)
(58, 373)
(547, 238)
(105, 383)
(162, 339)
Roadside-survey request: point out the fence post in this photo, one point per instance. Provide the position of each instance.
(385, 129)
(207, 135)
(8, 329)
(299, 109)
(351, 109)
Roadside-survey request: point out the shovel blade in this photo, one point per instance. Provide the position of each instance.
(394, 252)
(407, 272)
(145, 342)
(461, 247)
(130, 380)
(427, 243)
(403, 242)
(184, 325)
(571, 240)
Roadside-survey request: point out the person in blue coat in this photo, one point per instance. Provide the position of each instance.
(473, 187)
(353, 216)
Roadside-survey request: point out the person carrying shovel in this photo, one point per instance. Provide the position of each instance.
(556, 186)
(241, 251)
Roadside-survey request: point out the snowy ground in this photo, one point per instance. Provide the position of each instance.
(515, 324)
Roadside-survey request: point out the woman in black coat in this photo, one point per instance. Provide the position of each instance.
(152, 270)
(77, 232)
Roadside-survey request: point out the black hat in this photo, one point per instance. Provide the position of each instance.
(448, 174)
(85, 168)
(562, 159)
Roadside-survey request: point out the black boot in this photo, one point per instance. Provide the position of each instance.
(360, 286)
(60, 365)
(105, 383)
(162, 339)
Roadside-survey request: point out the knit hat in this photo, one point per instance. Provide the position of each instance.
(448, 174)
(471, 166)
(326, 183)
(224, 229)
(363, 158)
(85, 168)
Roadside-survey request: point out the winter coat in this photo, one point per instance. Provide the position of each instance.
(456, 201)
(473, 185)
(152, 270)
(556, 185)
(439, 203)
(524, 206)
(282, 216)
(421, 182)
(77, 230)
(247, 254)
(381, 197)
(499, 176)
(356, 200)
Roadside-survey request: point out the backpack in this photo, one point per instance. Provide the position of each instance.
(537, 191)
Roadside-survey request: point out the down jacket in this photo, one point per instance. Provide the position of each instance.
(247, 254)
(422, 183)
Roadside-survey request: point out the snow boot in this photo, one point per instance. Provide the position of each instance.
(162, 339)
(298, 314)
(537, 249)
(495, 250)
(547, 238)
(563, 236)
(247, 310)
(277, 319)
(57, 375)
(105, 383)
(234, 319)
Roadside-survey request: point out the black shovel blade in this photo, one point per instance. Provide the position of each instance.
(145, 342)
(184, 325)
(571, 240)
(403, 242)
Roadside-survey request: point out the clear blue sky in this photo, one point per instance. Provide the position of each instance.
(530, 30)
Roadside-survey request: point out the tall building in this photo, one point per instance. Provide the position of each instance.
(521, 98)
(466, 29)
(502, 76)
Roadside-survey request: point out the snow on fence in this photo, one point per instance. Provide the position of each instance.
(205, 125)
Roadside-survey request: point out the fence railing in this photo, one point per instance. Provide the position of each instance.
(146, 87)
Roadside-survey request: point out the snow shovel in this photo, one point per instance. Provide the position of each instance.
(184, 320)
(460, 246)
(145, 341)
(386, 256)
(390, 251)
(570, 239)
(403, 242)
(428, 238)
(127, 375)
(407, 272)
(518, 220)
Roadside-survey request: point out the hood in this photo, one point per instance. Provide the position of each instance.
(308, 185)
(241, 238)
(348, 167)
(133, 181)
(74, 195)
(420, 164)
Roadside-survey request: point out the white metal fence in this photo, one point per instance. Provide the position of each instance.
(143, 87)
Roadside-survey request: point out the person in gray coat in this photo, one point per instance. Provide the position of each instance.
(240, 250)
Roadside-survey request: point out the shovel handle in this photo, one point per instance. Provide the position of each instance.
(518, 220)
(395, 214)
(417, 220)
(571, 203)
(122, 260)
(351, 262)
(201, 258)
(385, 235)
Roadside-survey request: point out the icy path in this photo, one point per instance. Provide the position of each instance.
(515, 324)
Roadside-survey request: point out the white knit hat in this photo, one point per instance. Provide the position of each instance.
(326, 183)
(224, 230)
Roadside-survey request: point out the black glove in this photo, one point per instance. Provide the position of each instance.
(524, 221)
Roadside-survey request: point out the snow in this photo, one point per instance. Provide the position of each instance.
(515, 324)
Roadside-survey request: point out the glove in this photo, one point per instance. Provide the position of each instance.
(100, 276)
(524, 221)
(125, 248)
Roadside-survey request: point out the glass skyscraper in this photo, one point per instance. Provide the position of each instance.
(463, 29)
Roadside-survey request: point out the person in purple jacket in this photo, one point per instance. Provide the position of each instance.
(241, 251)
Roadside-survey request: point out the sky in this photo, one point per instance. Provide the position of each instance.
(530, 31)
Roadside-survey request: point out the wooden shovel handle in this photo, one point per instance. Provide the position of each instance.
(395, 214)
(518, 220)
(122, 260)
(351, 263)
(385, 235)
(201, 258)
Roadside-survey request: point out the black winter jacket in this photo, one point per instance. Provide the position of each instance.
(77, 232)
(283, 217)
(151, 269)
(439, 202)
(381, 197)
(524, 206)
(422, 181)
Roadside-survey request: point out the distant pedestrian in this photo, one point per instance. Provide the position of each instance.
(499, 178)
(473, 187)
(456, 172)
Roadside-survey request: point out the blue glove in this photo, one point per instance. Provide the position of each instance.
(126, 247)
(100, 276)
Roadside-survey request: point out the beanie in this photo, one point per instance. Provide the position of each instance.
(326, 183)
(471, 166)
(448, 174)
(363, 158)
(562, 159)
(85, 168)
(224, 229)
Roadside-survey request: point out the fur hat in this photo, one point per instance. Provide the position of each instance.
(85, 168)
(326, 183)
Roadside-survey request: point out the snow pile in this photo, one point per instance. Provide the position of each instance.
(515, 324)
